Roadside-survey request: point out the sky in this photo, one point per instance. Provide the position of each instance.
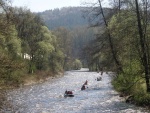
(42, 5)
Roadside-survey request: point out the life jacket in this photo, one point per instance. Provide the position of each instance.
(68, 92)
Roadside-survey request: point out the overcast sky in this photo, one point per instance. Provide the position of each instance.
(42, 5)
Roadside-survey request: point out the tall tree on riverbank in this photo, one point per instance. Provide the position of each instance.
(10, 47)
(37, 41)
(64, 38)
(138, 18)
(127, 33)
(103, 15)
(142, 36)
(27, 46)
(110, 39)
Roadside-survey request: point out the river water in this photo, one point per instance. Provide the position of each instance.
(47, 97)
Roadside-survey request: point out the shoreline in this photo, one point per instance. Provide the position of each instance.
(31, 80)
(41, 80)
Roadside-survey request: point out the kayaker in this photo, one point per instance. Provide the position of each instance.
(83, 87)
(68, 92)
(86, 83)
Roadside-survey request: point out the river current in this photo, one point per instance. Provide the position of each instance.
(48, 97)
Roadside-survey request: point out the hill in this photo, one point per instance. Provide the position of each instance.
(68, 17)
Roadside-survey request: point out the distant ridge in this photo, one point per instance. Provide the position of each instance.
(71, 17)
(68, 17)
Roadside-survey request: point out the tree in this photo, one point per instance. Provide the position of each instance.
(137, 27)
(113, 50)
(44, 48)
(64, 39)
(100, 16)
(145, 53)
(10, 47)
(77, 64)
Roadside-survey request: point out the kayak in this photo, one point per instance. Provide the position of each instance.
(68, 95)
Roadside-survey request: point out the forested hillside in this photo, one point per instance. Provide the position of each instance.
(68, 17)
(72, 29)
(40, 45)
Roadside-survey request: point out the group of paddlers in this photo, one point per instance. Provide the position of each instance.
(70, 93)
(84, 86)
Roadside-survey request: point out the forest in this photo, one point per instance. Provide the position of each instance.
(30, 51)
(69, 17)
(38, 45)
(122, 46)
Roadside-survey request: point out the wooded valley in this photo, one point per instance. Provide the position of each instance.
(38, 45)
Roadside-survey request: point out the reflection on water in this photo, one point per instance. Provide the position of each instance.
(48, 97)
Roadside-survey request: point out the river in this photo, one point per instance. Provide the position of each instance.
(47, 97)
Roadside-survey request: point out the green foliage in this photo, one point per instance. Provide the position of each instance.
(13, 42)
(25, 34)
(11, 69)
(45, 47)
(81, 36)
(135, 86)
(124, 29)
(132, 67)
(77, 65)
(118, 83)
(64, 40)
(142, 98)
(56, 61)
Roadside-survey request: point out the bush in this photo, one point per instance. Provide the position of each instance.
(121, 83)
(129, 86)
(77, 65)
(127, 83)
(142, 98)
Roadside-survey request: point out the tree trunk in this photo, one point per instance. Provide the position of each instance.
(143, 47)
(119, 67)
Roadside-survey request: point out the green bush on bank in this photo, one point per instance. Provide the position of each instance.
(73, 64)
(123, 83)
(77, 65)
(132, 86)
(142, 98)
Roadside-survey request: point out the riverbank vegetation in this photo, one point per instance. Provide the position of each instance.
(29, 51)
(123, 46)
(27, 46)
